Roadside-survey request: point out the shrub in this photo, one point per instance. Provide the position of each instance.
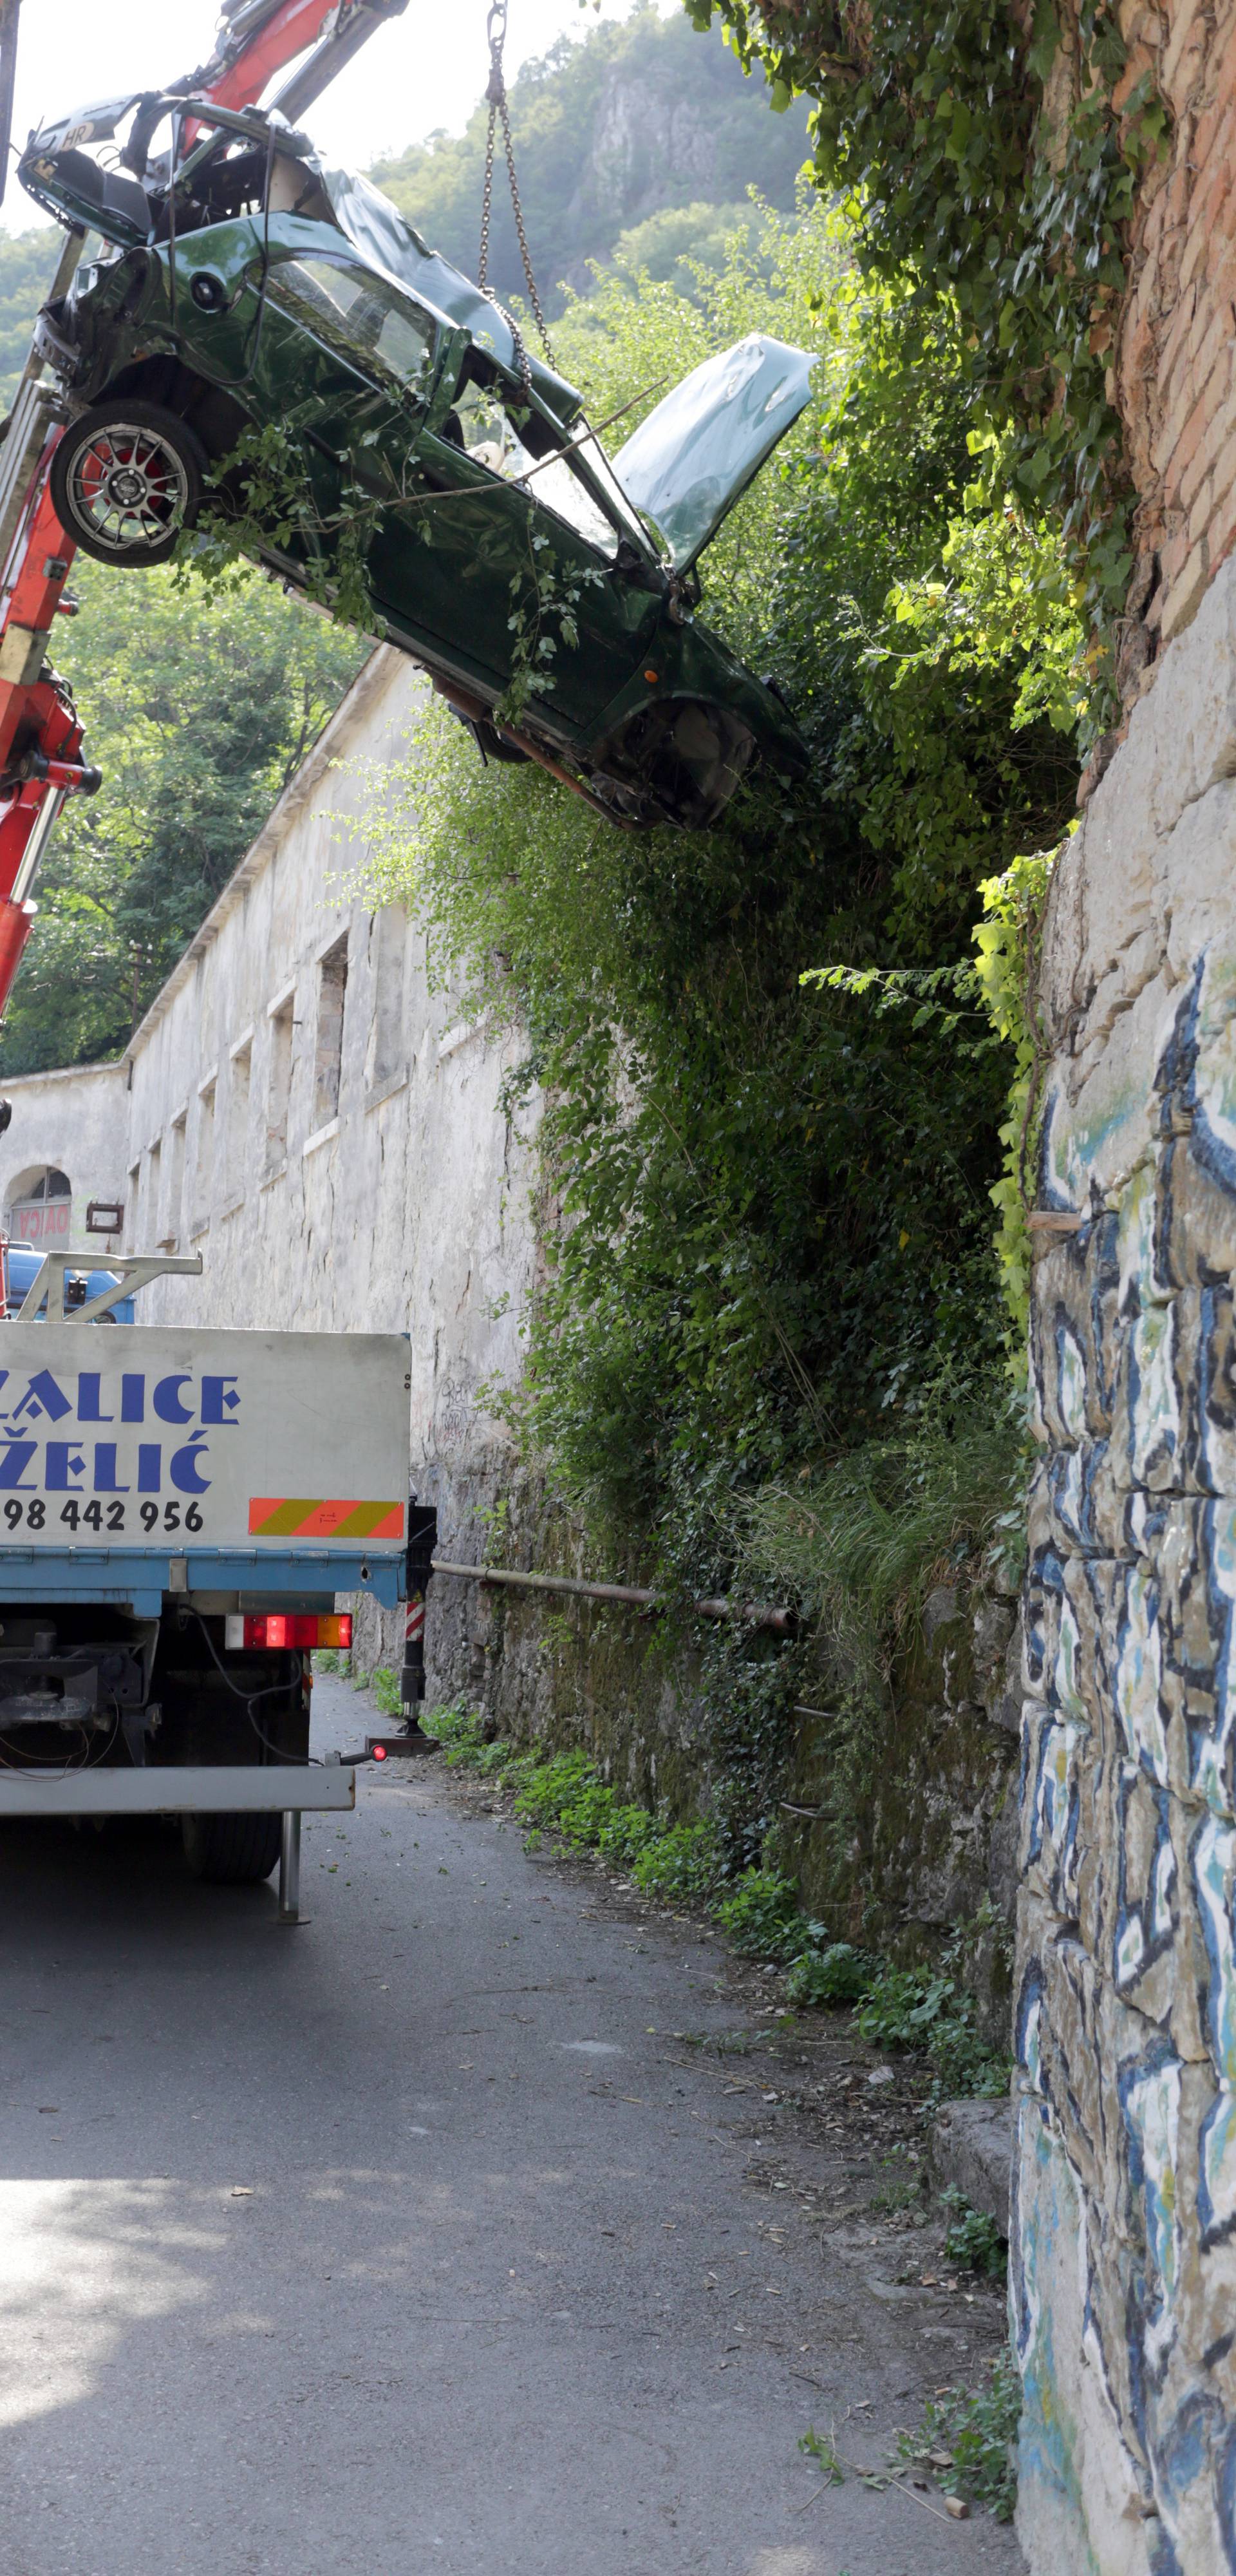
(972, 2238)
(558, 1794)
(679, 1865)
(385, 1687)
(917, 2008)
(625, 1833)
(760, 1914)
(838, 1975)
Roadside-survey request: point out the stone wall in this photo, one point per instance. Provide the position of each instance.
(1172, 373)
(1126, 2000)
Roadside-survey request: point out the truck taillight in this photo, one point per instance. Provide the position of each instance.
(290, 1628)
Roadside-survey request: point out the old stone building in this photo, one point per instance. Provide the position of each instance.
(306, 1110)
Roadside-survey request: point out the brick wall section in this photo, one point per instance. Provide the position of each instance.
(1172, 371)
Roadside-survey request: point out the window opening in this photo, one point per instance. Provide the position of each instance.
(356, 314)
(41, 1208)
(238, 1119)
(388, 943)
(328, 1057)
(491, 438)
(204, 1171)
(280, 1088)
(175, 1185)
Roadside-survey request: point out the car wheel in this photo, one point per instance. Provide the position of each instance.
(125, 479)
(234, 1849)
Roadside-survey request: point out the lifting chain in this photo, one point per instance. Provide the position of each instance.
(495, 28)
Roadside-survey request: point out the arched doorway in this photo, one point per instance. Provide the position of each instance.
(40, 1207)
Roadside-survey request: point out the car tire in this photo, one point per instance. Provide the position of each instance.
(232, 1850)
(125, 480)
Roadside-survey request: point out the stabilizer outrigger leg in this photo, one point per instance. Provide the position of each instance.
(289, 1868)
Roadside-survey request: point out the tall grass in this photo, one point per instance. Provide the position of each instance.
(861, 1542)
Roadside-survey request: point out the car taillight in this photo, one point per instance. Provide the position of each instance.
(290, 1628)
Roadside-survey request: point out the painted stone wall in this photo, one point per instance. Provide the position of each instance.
(1124, 2289)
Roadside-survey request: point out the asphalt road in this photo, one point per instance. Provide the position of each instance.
(407, 2239)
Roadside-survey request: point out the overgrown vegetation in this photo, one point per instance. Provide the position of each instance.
(992, 154)
(771, 1066)
(972, 2239)
(773, 1219)
(862, 1540)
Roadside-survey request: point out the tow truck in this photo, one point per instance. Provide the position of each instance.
(169, 1557)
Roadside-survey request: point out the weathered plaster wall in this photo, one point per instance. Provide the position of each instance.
(1124, 2296)
(74, 1122)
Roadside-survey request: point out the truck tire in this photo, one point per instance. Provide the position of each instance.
(232, 1850)
(125, 479)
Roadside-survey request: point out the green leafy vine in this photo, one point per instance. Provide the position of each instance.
(994, 155)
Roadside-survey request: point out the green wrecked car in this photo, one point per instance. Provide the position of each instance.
(250, 305)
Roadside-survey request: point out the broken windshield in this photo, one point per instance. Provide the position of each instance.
(488, 432)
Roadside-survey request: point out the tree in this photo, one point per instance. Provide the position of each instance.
(200, 711)
(770, 1220)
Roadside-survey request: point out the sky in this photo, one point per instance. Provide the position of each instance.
(427, 69)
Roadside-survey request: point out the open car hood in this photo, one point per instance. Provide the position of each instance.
(687, 464)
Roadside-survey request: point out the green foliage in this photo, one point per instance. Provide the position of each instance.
(27, 267)
(385, 1687)
(972, 2239)
(760, 1914)
(679, 1865)
(199, 712)
(675, 244)
(978, 2426)
(838, 1974)
(564, 1794)
(1001, 175)
(822, 2448)
(1008, 940)
(860, 1543)
(904, 2186)
(625, 1833)
(929, 2009)
(767, 1215)
(634, 119)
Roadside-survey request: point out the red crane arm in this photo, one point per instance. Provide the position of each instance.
(41, 754)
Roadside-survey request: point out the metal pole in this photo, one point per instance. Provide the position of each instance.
(289, 1867)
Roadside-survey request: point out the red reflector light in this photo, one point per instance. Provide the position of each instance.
(379, 1753)
(302, 1628)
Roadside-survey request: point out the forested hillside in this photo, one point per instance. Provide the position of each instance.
(641, 116)
(199, 711)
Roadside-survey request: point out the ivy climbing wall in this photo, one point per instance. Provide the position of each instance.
(1124, 2289)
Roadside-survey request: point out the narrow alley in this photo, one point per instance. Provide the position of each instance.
(410, 2238)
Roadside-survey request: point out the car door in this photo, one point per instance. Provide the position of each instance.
(524, 559)
(345, 368)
